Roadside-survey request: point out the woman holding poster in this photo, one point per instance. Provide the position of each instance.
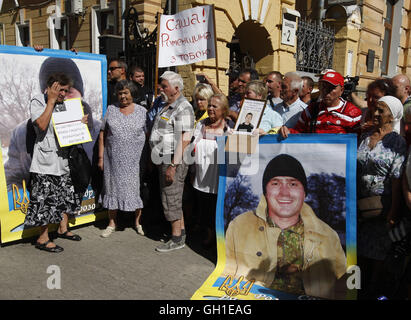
(206, 166)
(121, 142)
(271, 119)
(52, 195)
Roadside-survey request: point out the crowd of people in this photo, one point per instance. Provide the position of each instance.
(145, 136)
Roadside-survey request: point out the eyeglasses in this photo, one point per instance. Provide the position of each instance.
(113, 68)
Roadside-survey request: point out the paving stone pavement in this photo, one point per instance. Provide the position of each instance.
(124, 266)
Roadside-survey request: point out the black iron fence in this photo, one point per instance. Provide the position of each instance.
(315, 47)
(140, 46)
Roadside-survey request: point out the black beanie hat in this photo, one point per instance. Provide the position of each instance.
(286, 166)
(60, 65)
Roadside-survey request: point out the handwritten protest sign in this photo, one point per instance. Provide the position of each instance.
(68, 126)
(187, 37)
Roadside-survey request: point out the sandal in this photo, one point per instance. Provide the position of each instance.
(74, 237)
(43, 246)
(139, 229)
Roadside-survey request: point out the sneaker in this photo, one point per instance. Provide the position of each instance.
(170, 246)
(107, 232)
(183, 239)
(139, 229)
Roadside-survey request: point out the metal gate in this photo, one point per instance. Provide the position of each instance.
(238, 60)
(140, 46)
(315, 47)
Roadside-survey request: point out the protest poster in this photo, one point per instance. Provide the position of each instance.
(24, 77)
(258, 261)
(68, 126)
(249, 117)
(186, 37)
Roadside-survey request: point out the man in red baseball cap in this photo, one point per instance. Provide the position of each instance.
(331, 114)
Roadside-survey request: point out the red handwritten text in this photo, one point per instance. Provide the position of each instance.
(191, 56)
(175, 24)
(166, 42)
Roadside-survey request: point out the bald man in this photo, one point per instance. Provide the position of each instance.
(402, 82)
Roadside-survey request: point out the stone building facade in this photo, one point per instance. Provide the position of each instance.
(372, 37)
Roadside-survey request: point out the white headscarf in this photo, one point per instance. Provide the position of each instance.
(396, 109)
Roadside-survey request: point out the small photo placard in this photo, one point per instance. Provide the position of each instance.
(249, 116)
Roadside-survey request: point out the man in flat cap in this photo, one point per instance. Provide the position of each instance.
(282, 245)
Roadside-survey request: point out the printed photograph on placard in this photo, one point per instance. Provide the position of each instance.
(249, 116)
(25, 75)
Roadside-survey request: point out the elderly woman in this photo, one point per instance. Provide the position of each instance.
(121, 142)
(206, 166)
(271, 119)
(380, 159)
(376, 90)
(52, 196)
(202, 93)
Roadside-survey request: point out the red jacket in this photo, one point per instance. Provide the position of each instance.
(345, 118)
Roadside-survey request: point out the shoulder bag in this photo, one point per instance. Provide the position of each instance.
(80, 168)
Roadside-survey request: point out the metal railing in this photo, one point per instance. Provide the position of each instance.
(315, 47)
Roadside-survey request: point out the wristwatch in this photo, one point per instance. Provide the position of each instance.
(172, 165)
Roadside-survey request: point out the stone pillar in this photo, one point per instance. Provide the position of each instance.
(147, 12)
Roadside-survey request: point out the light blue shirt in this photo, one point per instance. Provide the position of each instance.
(290, 113)
(270, 119)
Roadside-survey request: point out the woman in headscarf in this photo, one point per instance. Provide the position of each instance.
(380, 159)
(375, 90)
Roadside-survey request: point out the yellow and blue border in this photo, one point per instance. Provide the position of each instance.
(209, 290)
(11, 221)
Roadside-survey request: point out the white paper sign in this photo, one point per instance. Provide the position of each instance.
(186, 37)
(288, 32)
(68, 126)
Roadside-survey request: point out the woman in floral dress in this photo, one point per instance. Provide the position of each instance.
(122, 138)
(380, 159)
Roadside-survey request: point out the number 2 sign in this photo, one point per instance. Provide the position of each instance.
(288, 32)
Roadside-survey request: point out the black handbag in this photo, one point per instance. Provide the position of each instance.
(80, 168)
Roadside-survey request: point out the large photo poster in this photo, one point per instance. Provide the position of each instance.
(286, 220)
(25, 73)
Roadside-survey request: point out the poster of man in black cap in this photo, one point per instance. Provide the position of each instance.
(286, 223)
(25, 73)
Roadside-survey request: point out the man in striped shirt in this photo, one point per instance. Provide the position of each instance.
(331, 114)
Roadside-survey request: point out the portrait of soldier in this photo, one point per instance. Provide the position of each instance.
(247, 125)
(282, 244)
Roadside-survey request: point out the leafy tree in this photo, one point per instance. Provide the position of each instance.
(239, 198)
(326, 196)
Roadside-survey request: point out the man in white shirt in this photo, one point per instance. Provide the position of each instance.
(291, 107)
(273, 83)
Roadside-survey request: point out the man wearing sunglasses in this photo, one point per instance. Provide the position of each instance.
(117, 71)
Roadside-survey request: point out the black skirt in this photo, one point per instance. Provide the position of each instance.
(50, 197)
